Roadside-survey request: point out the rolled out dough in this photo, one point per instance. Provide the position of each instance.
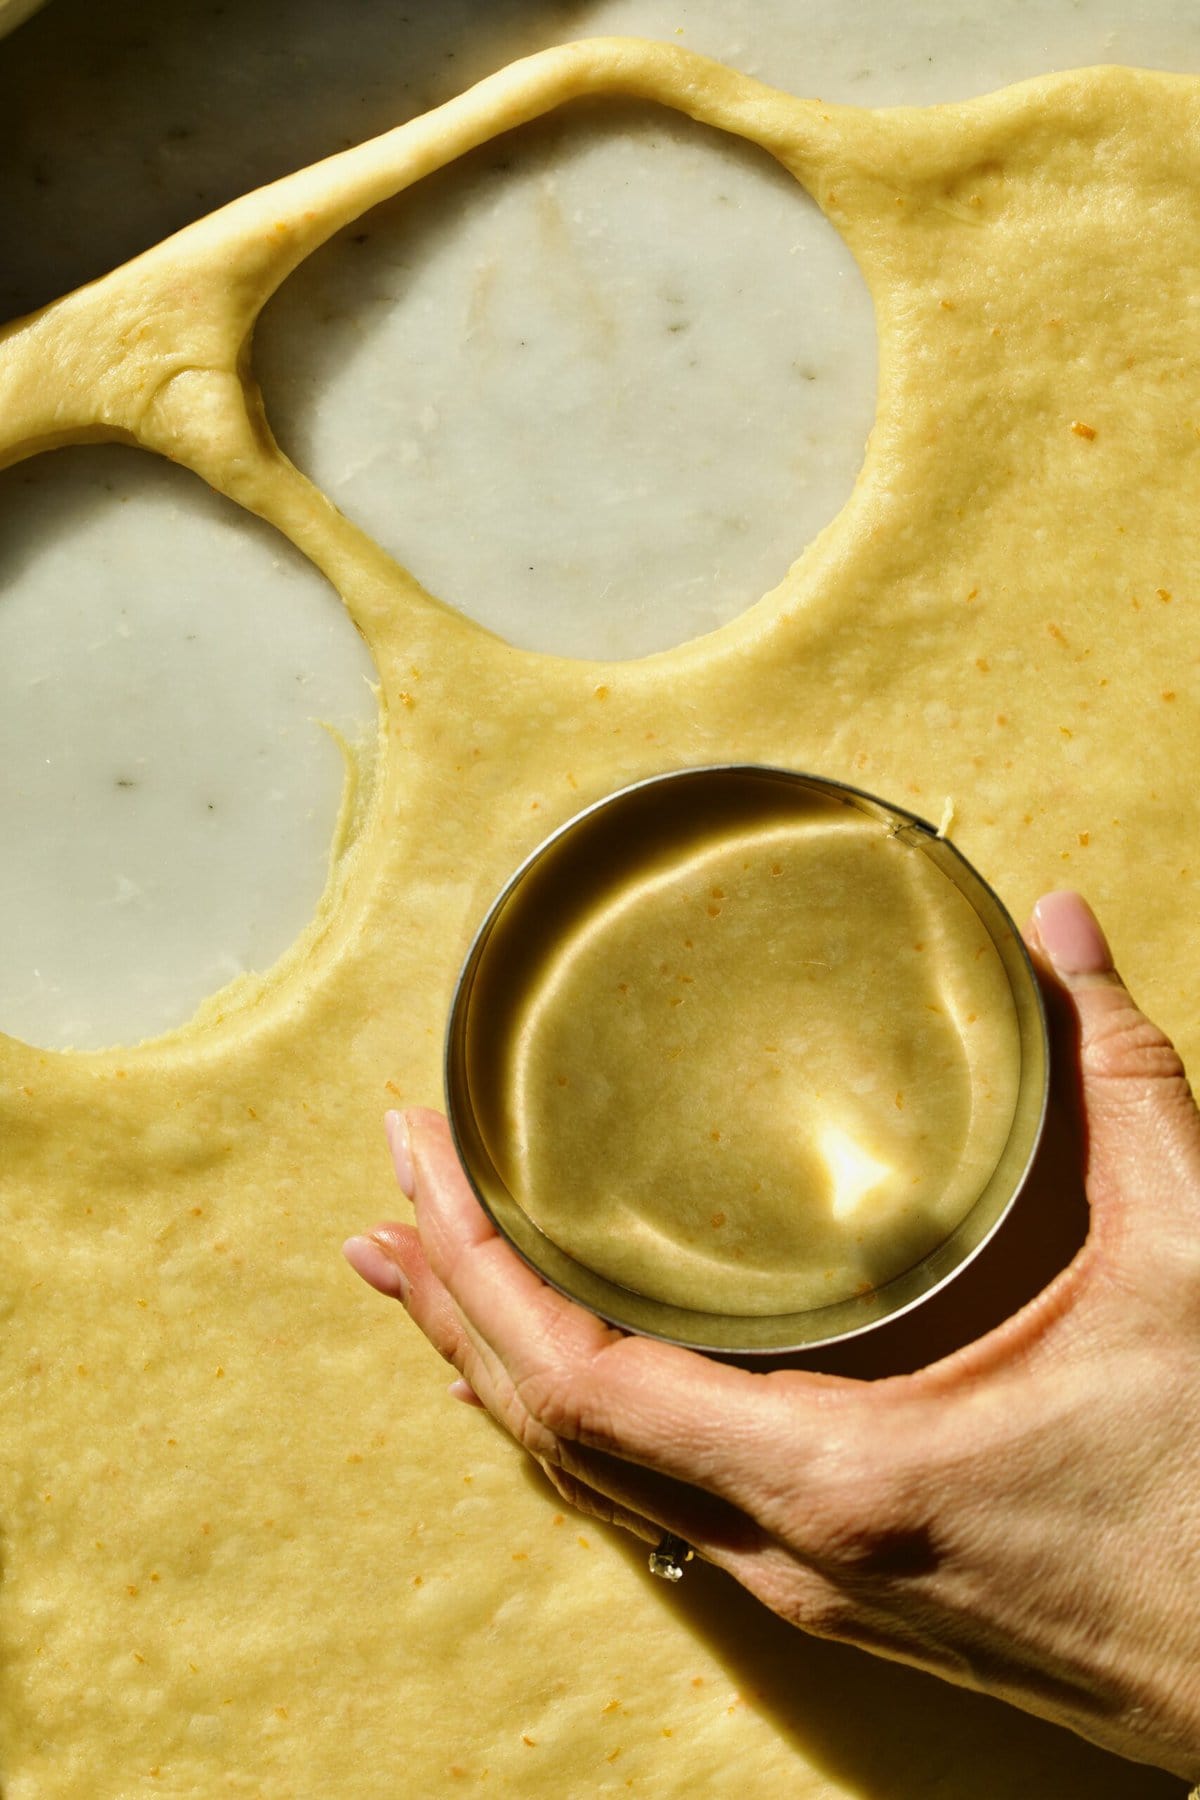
(248, 1545)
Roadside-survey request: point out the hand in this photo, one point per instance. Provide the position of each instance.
(1022, 1517)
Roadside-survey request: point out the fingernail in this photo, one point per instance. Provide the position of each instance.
(376, 1268)
(1071, 936)
(400, 1144)
(462, 1390)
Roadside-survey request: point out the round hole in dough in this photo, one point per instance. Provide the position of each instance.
(598, 383)
(169, 797)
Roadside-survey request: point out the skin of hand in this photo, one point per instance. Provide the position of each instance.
(1021, 1518)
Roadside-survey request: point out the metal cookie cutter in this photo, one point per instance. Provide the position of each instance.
(566, 893)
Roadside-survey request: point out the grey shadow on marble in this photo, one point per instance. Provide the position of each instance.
(121, 123)
(32, 501)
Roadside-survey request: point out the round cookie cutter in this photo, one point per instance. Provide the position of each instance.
(560, 882)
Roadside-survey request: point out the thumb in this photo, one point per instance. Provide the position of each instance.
(1141, 1126)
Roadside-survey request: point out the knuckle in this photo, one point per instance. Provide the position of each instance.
(880, 1553)
(569, 1401)
(1126, 1047)
(509, 1404)
(552, 1380)
(846, 1532)
(841, 1474)
(1176, 1272)
(867, 1519)
(567, 1486)
(821, 1608)
(547, 1395)
(532, 1436)
(578, 1495)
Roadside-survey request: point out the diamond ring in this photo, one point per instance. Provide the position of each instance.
(668, 1558)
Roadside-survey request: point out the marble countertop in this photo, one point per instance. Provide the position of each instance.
(597, 386)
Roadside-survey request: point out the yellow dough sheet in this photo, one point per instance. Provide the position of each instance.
(249, 1546)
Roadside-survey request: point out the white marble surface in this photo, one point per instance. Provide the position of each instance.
(608, 405)
(167, 792)
(599, 397)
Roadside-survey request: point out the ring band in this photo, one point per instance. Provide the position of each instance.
(669, 1557)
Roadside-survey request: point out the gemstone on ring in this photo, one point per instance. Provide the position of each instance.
(669, 1556)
